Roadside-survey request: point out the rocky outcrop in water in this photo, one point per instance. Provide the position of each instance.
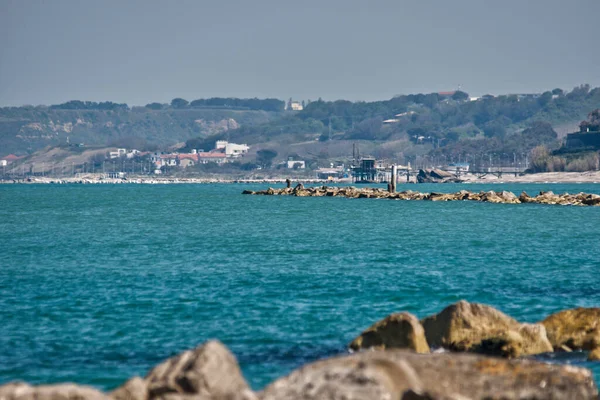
(572, 329)
(396, 331)
(482, 329)
(211, 372)
(504, 197)
(208, 372)
(397, 374)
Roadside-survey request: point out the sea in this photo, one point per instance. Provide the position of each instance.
(99, 283)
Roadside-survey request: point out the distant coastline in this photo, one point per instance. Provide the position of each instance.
(546, 177)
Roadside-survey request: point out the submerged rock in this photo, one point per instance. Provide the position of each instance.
(400, 330)
(572, 327)
(397, 374)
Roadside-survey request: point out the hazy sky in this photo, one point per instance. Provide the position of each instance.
(140, 51)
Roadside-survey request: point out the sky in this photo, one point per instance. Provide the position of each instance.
(142, 51)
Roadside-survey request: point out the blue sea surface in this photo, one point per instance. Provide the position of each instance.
(102, 282)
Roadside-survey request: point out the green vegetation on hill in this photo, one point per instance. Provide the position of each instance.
(449, 125)
(23, 130)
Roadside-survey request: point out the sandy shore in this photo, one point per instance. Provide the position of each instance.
(549, 177)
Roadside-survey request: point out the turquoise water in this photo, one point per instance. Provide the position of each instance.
(102, 282)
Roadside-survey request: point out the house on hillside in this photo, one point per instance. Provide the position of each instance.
(9, 159)
(205, 158)
(296, 164)
(118, 153)
(232, 150)
(187, 160)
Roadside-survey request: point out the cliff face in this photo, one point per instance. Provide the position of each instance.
(26, 129)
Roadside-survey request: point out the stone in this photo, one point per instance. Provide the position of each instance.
(210, 371)
(441, 197)
(572, 327)
(535, 339)
(462, 325)
(64, 391)
(134, 389)
(528, 339)
(399, 374)
(509, 197)
(400, 330)
(594, 355)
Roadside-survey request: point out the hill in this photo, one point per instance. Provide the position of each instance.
(24, 130)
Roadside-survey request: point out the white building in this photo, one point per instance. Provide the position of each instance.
(232, 150)
(291, 164)
(118, 153)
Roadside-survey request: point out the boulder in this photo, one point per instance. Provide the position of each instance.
(209, 371)
(65, 391)
(509, 197)
(442, 196)
(398, 374)
(134, 389)
(572, 327)
(594, 355)
(535, 339)
(525, 198)
(491, 197)
(528, 339)
(462, 325)
(400, 330)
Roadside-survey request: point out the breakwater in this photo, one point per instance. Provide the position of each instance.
(579, 199)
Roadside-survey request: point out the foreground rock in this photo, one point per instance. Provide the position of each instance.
(479, 328)
(573, 328)
(66, 391)
(210, 371)
(400, 331)
(396, 374)
(504, 197)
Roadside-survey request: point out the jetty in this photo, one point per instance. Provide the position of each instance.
(579, 199)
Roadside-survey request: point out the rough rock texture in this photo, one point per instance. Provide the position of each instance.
(134, 389)
(463, 325)
(594, 355)
(572, 327)
(482, 329)
(400, 330)
(504, 197)
(65, 391)
(527, 339)
(209, 371)
(397, 374)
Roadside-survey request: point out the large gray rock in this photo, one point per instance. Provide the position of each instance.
(209, 372)
(65, 391)
(397, 374)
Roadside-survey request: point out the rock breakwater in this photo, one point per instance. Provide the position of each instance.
(395, 370)
(579, 199)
